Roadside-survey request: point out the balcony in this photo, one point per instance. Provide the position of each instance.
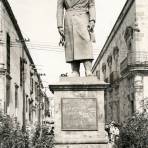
(114, 76)
(135, 61)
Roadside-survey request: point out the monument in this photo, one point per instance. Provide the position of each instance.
(79, 101)
(79, 113)
(77, 32)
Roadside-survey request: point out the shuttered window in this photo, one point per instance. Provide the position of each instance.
(21, 71)
(16, 96)
(8, 53)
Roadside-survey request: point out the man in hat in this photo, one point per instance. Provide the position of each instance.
(75, 22)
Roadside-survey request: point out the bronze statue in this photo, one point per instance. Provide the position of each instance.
(75, 22)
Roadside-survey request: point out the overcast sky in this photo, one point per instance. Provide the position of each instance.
(37, 21)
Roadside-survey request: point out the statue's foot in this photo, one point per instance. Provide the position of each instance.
(75, 74)
(88, 73)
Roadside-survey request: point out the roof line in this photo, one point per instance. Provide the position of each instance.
(17, 28)
(115, 28)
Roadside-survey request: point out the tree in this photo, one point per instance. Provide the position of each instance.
(134, 132)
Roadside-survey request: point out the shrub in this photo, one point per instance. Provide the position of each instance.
(43, 137)
(134, 133)
(11, 135)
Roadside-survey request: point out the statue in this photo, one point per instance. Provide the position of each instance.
(75, 22)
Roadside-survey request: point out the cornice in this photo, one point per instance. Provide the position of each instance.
(78, 87)
(114, 30)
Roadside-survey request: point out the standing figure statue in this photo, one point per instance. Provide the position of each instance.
(75, 22)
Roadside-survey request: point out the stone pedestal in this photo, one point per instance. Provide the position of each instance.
(79, 113)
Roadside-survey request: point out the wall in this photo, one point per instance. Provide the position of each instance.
(7, 26)
(142, 24)
(127, 70)
(145, 79)
(2, 77)
(117, 95)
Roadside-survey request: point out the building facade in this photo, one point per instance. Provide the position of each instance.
(123, 63)
(48, 111)
(20, 83)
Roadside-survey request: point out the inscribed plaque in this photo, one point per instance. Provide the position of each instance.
(79, 114)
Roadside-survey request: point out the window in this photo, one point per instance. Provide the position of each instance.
(131, 99)
(36, 89)
(109, 61)
(16, 96)
(104, 70)
(30, 109)
(116, 53)
(128, 36)
(26, 103)
(116, 56)
(132, 107)
(8, 84)
(31, 84)
(47, 113)
(111, 110)
(98, 74)
(8, 53)
(117, 111)
(21, 71)
(128, 33)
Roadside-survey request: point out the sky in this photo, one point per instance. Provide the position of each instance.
(37, 21)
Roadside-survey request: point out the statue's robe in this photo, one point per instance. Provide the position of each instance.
(75, 15)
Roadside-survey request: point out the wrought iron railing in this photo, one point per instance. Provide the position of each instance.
(138, 58)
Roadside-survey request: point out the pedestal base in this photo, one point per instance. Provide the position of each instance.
(81, 146)
(79, 113)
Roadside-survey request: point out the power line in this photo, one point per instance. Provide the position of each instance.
(37, 47)
(43, 46)
(51, 47)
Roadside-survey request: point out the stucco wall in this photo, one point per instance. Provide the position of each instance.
(117, 104)
(7, 27)
(127, 93)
